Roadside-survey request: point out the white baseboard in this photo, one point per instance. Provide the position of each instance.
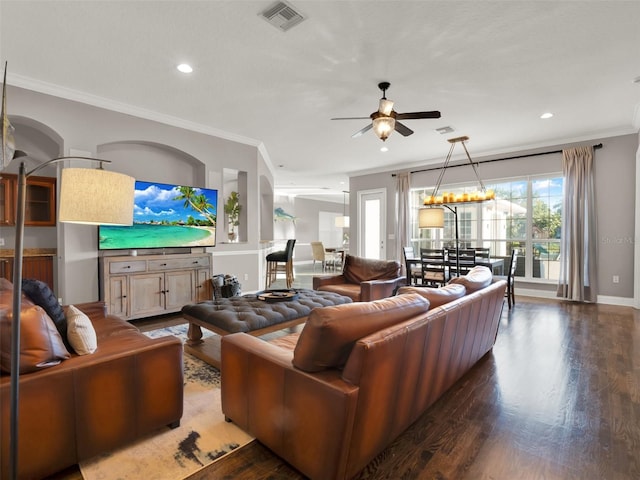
(603, 299)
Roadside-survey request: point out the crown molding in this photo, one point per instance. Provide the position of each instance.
(115, 106)
(510, 150)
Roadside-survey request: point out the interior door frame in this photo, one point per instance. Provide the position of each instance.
(381, 194)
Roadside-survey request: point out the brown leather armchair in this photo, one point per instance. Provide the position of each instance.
(363, 279)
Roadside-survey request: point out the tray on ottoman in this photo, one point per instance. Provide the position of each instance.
(249, 314)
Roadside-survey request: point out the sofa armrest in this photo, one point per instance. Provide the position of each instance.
(377, 289)
(93, 309)
(323, 280)
(265, 395)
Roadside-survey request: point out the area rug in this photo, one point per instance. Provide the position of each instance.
(202, 437)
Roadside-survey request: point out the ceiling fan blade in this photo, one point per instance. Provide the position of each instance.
(417, 115)
(363, 130)
(351, 118)
(385, 107)
(403, 129)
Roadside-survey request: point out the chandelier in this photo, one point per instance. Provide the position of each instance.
(480, 195)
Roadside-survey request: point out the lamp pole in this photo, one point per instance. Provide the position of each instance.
(454, 210)
(15, 326)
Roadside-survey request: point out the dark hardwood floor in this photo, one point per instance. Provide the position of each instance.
(557, 398)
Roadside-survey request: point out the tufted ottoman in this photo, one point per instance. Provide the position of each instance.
(250, 315)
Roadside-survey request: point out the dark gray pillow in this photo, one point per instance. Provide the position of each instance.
(40, 294)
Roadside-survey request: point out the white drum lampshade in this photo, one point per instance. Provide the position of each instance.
(431, 218)
(96, 197)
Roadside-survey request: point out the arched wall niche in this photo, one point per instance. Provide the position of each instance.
(39, 141)
(154, 162)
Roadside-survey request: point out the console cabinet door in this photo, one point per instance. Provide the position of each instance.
(179, 289)
(146, 294)
(203, 285)
(118, 295)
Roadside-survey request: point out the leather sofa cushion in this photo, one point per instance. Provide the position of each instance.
(350, 290)
(41, 345)
(358, 269)
(477, 278)
(437, 296)
(330, 332)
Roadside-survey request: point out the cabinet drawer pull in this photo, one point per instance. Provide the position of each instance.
(163, 264)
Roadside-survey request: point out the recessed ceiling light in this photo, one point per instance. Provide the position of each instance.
(384, 149)
(546, 115)
(185, 68)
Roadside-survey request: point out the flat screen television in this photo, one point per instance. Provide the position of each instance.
(165, 216)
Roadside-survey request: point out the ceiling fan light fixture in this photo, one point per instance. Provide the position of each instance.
(385, 106)
(383, 127)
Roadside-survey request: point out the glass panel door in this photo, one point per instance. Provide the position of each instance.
(372, 224)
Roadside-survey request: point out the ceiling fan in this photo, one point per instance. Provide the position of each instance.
(385, 120)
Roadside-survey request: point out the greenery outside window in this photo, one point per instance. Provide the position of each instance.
(526, 214)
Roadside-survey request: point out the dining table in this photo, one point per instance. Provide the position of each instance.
(495, 264)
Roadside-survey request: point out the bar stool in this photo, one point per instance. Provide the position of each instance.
(281, 261)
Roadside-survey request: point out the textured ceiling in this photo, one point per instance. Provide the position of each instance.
(491, 67)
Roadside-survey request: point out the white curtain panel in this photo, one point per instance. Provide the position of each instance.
(579, 235)
(403, 187)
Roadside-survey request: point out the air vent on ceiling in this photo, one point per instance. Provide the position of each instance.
(282, 15)
(444, 130)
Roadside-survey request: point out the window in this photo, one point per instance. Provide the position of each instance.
(526, 214)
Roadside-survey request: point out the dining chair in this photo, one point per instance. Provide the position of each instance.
(413, 266)
(510, 278)
(482, 254)
(464, 258)
(325, 257)
(435, 271)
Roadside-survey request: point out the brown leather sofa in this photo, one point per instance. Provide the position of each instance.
(363, 279)
(329, 399)
(86, 405)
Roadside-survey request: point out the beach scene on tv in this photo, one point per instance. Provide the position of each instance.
(166, 216)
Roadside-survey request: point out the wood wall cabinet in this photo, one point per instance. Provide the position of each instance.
(147, 285)
(40, 204)
(36, 263)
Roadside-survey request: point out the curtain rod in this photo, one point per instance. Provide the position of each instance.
(596, 147)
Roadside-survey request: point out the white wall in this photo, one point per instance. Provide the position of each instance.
(306, 227)
(148, 150)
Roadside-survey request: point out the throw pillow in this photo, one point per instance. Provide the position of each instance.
(437, 296)
(330, 332)
(80, 332)
(477, 278)
(40, 343)
(40, 293)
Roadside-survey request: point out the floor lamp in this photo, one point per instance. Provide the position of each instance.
(87, 196)
(434, 218)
